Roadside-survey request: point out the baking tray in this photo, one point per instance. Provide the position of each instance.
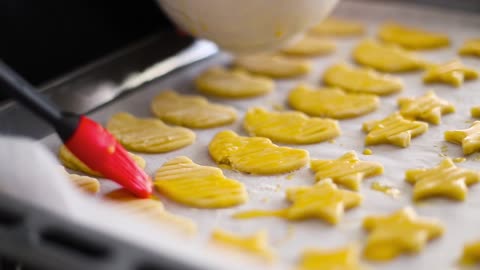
(266, 192)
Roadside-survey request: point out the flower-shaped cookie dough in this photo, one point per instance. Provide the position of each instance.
(428, 107)
(311, 46)
(85, 183)
(255, 244)
(274, 65)
(346, 258)
(453, 73)
(470, 47)
(338, 27)
(469, 138)
(400, 232)
(412, 38)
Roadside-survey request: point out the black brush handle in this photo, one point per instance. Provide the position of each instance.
(19, 89)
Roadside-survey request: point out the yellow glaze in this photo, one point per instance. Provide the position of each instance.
(311, 46)
(394, 129)
(453, 73)
(85, 183)
(470, 47)
(148, 135)
(198, 186)
(367, 151)
(256, 244)
(459, 159)
(469, 138)
(149, 209)
(338, 27)
(444, 180)
(191, 111)
(274, 65)
(386, 57)
(255, 155)
(73, 163)
(346, 258)
(412, 38)
(391, 191)
(475, 111)
(347, 170)
(428, 107)
(222, 82)
(331, 102)
(471, 253)
(290, 126)
(322, 200)
(400, 232)
(361, 80)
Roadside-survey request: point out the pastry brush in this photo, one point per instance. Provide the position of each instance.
(85, 138)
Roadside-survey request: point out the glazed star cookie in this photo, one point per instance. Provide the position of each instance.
(445, 180)
(470, 47)
(361, 80)
(73, 163)
(191, 111)
(386, 57)
(453, 73)
(400, 232)
(256, 155)
(475, 111)
(255, 244)
(331, 102)
(346, 258)
(274, 65)
(469, 138)
(198, 186)
(289, 126)
(85, 183)
(471, 254)
(347, 170)
(428, 107)
(412, 38)
(310, 46)
(222, 82)
(394, 129)
(148, 135)
(338, 27)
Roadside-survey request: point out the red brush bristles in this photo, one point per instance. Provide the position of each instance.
(100, 151)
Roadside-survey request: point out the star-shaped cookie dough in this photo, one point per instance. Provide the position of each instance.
(471, 253)
(446, 180)
(394, 129)
(453, 72)
(346, 258)
(347, 170)
(400, 232)
(428, 107)
(469, 138)
(256, 244)
(470, 47)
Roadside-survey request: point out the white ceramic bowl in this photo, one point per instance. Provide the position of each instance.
(245, 26)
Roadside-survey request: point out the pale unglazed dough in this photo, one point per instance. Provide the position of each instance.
(290, 126)
(72, 162)
(331, 102)
(191, 111)
(412, 38)
(256, 155)
(148, 135)
(310, 45)
(361, 80)
(85, 183)
(183, 181)
(338, 27)
(274, 65)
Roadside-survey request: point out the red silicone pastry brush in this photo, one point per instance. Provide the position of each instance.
(85, 138)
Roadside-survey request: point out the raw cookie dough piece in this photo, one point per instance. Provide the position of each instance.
(428, 107)
(475, 111)
(469, 138)
(274, 65)
(331, 102)
(338, 27)
(347, 170)
(85, 183)
(149, 209)
(386, 57)
(394, 129)
(221, 82)
(148, 135)
(400, 232)
(361, 80)
(191, 111)
(471, 254)
(412, 38)
(256, 244)
(445, 180)
(290, 126)
(346, 258)
(255, 155)
(198, 186)
(311, 46)
(470, 47)
(453, 73)
(73, 163)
